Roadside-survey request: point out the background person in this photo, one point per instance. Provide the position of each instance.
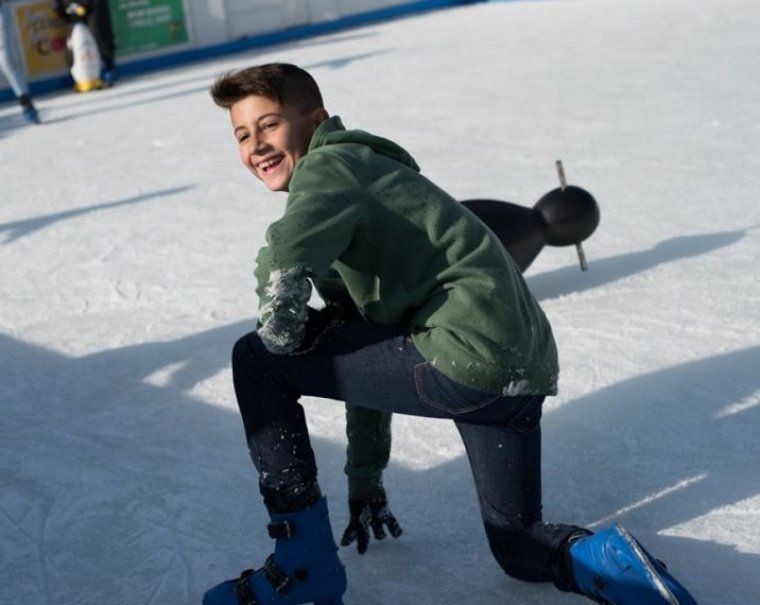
(11, 65)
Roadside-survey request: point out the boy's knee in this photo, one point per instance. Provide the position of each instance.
(535, 553)
(251, 361)
(246, 350)
(509, 546)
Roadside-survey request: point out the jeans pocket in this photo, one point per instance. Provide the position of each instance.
(444, 394)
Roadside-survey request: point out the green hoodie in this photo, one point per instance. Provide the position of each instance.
(408, 254)
(362, 223)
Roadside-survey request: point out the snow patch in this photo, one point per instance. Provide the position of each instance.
(513, 389)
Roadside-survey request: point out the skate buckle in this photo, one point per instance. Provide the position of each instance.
(243, 589)
(281, 529)
(276, 577)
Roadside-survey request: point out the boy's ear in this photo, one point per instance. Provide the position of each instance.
(319, 116)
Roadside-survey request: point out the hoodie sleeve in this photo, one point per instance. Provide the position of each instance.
(333, 291)
(368, 451)
(322, 214)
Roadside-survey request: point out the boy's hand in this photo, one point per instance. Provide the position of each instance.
(366, 513)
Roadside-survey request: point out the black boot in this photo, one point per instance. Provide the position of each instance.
(28, 111)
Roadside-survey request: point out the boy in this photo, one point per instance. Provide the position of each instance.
(448, 330)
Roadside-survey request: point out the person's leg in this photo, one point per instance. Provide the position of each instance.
(347, 361)
(275, 429)
(12, 68)
(379, 366)
(501, 433)
(505, 458)
(503, 443)
(350, 362)
(609, 567)
(10, 62)
(100, 24)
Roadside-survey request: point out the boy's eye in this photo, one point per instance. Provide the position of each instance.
(270, 125)
(242, 138)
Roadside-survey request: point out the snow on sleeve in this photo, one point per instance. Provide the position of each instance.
(321, 217)
(283, 317)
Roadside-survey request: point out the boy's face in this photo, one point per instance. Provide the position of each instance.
(272, 137)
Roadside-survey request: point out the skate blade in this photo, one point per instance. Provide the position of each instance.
(654, 577)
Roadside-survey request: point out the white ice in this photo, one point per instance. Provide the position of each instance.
(128, 230)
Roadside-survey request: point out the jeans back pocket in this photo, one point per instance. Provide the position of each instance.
(446, 395)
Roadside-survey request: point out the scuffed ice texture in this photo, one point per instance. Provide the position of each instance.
(283, 318)
(127, 225)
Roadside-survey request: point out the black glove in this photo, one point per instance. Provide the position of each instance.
(366, 513)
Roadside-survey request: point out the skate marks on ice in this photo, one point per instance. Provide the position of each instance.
(118, 490)
(18, 229)
(115, 488)
(655, 452)
(568, 280)
(346, 61)
(202, 90)
(121, 488)
(170, 77)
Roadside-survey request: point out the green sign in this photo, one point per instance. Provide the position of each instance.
(144, 25)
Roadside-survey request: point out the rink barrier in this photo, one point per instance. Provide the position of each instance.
(258, 41)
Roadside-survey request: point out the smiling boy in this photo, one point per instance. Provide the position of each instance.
(447, 329)
(286, 129)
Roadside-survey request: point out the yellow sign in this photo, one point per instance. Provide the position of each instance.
(42, 35)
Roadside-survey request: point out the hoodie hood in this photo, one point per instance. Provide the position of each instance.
(332, 132)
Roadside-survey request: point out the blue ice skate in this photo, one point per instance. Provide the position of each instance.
(304, 568)
(612, 567)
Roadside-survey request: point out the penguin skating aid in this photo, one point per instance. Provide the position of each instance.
(86, 63)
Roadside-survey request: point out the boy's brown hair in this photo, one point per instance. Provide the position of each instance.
(281, 82)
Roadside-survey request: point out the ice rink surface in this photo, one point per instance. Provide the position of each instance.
(128, 230)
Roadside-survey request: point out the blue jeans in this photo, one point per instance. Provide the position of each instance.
(378, 367)
(10, 57)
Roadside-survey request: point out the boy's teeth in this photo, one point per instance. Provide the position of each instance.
(269, 163)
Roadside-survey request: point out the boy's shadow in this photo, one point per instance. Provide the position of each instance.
(121, 484)
(126, 488)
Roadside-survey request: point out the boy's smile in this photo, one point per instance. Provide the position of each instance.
(272, 137)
